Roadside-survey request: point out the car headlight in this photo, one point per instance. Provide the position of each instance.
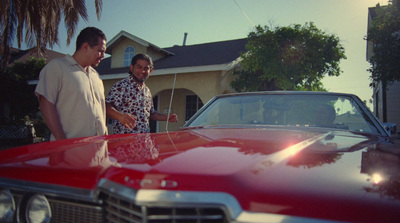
(38, 209)
(7, 206)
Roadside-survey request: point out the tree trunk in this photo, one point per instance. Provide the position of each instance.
(269, 86)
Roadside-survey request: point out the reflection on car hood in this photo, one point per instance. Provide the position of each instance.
(267, 170)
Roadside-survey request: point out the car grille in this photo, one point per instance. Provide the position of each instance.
(123, 210)
(71, 212)
(120, 210)
(75, 213)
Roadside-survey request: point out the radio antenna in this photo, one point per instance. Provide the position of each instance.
(170, 103)
(244, 13)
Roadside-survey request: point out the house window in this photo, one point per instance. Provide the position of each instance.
(128, 54)
(193, 104)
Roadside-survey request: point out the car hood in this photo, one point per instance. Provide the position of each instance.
(267, 170)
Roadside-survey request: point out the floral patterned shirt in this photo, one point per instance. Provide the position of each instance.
(138, 149)
(129, 97)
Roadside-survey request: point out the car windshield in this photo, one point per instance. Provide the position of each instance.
(326, 111)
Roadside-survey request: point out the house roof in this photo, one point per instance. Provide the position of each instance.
(372, 11)
(15, 53)
(199, 55)
(26, 54)
(123, 34)
(202, 54)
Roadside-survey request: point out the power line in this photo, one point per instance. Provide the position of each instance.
(244, 13)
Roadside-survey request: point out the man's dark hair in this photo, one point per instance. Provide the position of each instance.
(90, 35)
(142, 56)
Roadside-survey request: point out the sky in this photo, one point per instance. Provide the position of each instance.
(164, 22)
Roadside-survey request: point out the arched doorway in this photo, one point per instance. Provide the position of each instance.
(185, 104)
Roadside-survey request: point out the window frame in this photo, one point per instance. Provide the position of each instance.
(128, 54)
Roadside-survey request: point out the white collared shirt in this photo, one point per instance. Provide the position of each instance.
(78, 96)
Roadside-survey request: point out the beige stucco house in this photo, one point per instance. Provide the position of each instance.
(198, 72)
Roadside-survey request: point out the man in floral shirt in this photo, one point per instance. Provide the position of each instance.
(130, 103)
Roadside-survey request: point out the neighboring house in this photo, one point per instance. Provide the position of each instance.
(23, 55)
(12, 134)
(202, 72)
(386, 97)
(18, 55)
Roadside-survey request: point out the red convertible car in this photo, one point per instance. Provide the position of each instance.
(251, 157)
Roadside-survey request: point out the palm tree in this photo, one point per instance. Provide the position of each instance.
(40, 20)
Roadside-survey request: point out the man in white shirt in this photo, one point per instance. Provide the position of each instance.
(70, 91)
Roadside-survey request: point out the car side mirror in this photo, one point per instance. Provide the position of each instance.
(390, 127)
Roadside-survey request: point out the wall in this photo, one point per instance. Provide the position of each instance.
(205, 84)
(154, 54)
(117, 59)
(177, 107)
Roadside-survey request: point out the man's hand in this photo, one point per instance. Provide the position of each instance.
(127, 120)
(173, 118)
(52, 118)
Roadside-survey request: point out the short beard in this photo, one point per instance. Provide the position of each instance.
(137, 80)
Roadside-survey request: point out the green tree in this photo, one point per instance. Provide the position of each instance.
(40, 20)
(289, 58)
(385, 36)
(16, 93)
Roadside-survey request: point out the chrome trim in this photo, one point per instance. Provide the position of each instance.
(255, 217)
(51, 189)
(155, 198)
(195, 198)
(118, 189)
(371, 116)
(61, 202)
(168, 198)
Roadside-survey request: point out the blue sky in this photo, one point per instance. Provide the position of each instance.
(164, 22)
